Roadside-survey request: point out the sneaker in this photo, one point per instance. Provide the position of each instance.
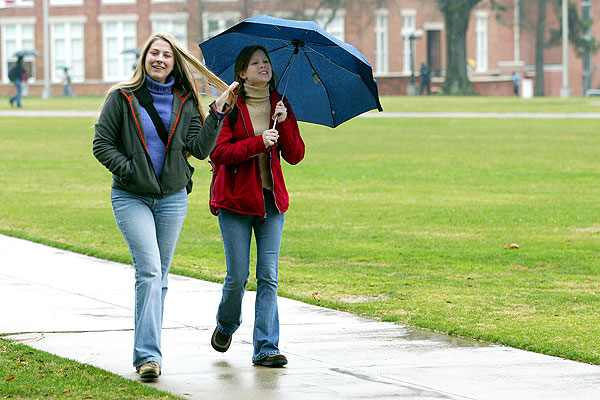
(219, 341)
(149, 370)
(271, 361)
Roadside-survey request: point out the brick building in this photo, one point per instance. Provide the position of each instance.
(92, 38)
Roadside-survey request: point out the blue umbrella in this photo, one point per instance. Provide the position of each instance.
(326, 80)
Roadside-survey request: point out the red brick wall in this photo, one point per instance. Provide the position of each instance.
(359, 31)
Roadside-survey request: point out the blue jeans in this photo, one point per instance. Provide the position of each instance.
(236, 230)
(17, 97)
(68, 91)
(151, 227)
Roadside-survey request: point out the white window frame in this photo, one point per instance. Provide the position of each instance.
(382, 59)
(481, 41)
(124, 61)
(409, 26)
(63, 3)
(118, 2)
(336, 27)
(221, 18)
(6, 50)
(77, 74)
(171, 19)
(17, 3)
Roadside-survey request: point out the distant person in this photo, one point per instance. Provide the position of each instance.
(67, 84)
(25, 82)
(516, 83)
(251, 198)
(151, 174)
(425, 72)
(16, 74)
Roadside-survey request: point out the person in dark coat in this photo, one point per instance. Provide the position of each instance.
(151, 173)
(425, 79)
(16, 75)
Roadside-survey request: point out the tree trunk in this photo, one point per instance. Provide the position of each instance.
(540, 34)
(456, 16)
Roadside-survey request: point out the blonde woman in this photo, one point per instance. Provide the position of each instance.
(151, 174)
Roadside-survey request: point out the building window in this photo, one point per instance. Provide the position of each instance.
(381, 42)
(175, 25)
(67, 51)
(409, 24)
(15, 37)
(481, 34)
(66, 3)
(334, 26)
(215, 23)
(118, 1)
(118, 36)
(17, 3)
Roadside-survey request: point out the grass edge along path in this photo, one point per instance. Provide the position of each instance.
(26, 372)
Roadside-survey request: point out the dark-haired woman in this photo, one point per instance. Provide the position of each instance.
(250, 194)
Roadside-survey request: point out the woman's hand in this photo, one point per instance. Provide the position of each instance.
(225, 96)
(270, 137)
(280, 112)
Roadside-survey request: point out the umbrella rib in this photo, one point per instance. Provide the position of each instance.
(324, 87)
(334, 63)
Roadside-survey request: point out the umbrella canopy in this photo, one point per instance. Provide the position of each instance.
(326, 80)
(27, 53)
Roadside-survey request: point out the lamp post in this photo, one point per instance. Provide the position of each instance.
(411, 89)
(565, 91)
(412, 38)
(47, 92)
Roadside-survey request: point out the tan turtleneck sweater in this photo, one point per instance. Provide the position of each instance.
(259, 108)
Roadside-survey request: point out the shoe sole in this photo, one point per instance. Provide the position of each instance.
(216, 346)
(149, 375)
(270, 364)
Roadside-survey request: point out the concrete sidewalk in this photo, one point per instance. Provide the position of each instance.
(81, 308)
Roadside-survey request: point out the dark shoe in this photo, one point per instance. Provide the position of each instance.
(149, 370)
(11, 101)
(272, 361)
(219, 341)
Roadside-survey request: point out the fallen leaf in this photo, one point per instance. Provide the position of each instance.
(511, 246)
(10, 379)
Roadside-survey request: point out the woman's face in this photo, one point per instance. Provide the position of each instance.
(159, 60)
(258, 73)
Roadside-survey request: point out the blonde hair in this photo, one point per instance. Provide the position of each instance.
(181, 71)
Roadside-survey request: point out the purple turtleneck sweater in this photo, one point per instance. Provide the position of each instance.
(162, 93)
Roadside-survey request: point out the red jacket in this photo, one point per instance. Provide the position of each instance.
(238, 186)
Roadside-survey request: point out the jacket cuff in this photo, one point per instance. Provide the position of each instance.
(219, 115)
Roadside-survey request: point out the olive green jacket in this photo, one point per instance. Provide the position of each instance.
(120, 145)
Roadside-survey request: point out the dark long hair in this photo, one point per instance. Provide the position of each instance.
(241, 64)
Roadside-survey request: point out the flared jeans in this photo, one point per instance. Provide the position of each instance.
(151, 226)
(236, 230)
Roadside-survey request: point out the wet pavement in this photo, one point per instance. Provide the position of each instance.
(81, 308)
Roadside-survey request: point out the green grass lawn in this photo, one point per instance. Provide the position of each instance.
(405, 220)
(26, 373)
(389, 103)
